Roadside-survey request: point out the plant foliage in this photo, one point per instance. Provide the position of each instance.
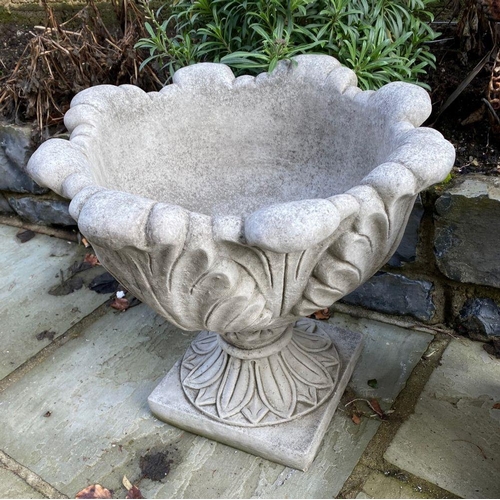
(381, 40)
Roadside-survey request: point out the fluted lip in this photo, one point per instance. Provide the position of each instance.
(116, 219)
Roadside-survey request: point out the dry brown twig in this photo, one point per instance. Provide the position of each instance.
(57, 63)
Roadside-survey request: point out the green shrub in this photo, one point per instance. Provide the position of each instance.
(381, 40)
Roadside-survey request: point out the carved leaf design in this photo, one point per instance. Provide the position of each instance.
(208, 371)
(305, 367)
(312, 342)
(205, 344)
(225, 312)
(306, 394)
(208, 395)
(276, 387)
(256, 410)
(236, 389)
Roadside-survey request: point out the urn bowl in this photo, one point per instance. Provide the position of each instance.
(239, 205)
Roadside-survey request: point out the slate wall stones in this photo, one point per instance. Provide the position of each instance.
(395, 294)
(480, 319)
(42, 211)
(5, 208)
(14, 154)
(15, 151)
(407, 250)
(467, 231)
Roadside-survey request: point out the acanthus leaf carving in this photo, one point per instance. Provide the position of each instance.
(306, 368)
(210, 369)
(237, 387)
(256, 410)
(276, 387)
(266, 389)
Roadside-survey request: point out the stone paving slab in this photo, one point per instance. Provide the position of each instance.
(379, 485)
(453, 438)
(12, 486)
(28, 271)
(96, 387)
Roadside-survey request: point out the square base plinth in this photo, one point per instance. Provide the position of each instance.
(294, 443)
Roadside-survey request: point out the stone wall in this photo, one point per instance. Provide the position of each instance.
(446, 269)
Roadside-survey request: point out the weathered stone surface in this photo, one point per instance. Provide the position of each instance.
(42, 211)
(467, 236)
(14, 153)
(96, 388)
(5, 207)
(453, 438)
(28, 271)
(407, 249)
(395, 294)
(12, 486)
(480, 319)
(379, 485)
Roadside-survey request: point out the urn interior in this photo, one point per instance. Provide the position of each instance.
(234, 152)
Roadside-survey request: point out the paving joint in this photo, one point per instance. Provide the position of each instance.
(373, 459)
(72, 333)
(29, 477)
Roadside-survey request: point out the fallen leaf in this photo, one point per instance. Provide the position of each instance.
(94, 491)
(77, 267)
(496, 406)
(355, 418)
(375, 406)
(322, 314)
(66, 287)
(104, 283)
(46, 334)
(120, 304)
(25, 235)
(134, 492)
(92, 259)
(476, 116)
(373, 382)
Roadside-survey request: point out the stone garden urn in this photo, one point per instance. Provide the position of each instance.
(239, 206)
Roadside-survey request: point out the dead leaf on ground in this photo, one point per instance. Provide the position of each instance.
(496, 406)
(120, 304)
(104, 283)
(134, 492)
(66, 287)
(375, 406)
(355, 418)
(475, 116)
(94, 491)
(322, 314)
(25, 235)
(46, 334)
(92, 259)
(494, 348)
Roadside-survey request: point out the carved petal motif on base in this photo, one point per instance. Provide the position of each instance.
(263, 391)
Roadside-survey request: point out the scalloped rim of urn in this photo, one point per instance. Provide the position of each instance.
(422, 157)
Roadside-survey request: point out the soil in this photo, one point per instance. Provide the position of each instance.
(476, 145)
